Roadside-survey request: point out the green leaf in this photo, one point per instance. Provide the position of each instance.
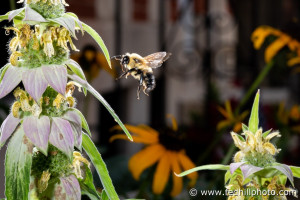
(254, 120)
(227, 177)
(244, 127)
(3, 70)
(18, 162)
(296, 171)
(100, 166)
(204, 167)
(241, 137)
(265, 134)
(75, 67)
(99, 40)
(96, 94)
(14, 13)
(4, 17)
(87, 185)
(104, 195)
(84, 123)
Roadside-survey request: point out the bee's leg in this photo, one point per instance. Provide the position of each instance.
(122, 75)
(140, 86)
(126, 73)
(144, 90)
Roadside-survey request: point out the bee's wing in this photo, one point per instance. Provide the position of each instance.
(155, 60)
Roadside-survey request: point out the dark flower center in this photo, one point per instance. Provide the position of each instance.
(171, 140)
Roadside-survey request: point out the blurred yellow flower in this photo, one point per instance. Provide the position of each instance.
(290, 118)
(92, 62)
(283, 40)
(162, 148)
(231, 118)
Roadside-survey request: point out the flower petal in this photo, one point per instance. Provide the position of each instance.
(11, 79)
(8, 127)
(14, 13)
(56, 75)
(144, 159)
(136, 139)
(248, 170)
(75, 122)
(38, 130)
(235, 166)
(61, 135)
(34, 83)
(177, 181)
(161, 174)
(286, 170)
(32, 15)
(71, 188)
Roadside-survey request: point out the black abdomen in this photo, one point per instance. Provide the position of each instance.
(150, 82)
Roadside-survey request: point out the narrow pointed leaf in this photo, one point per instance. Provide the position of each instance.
(265, 134)
(102, 100)
(75, 67)
(204, 167)
(244, 127)
(38, 130)
(296, 171)
(84, 123)
(99, 40)
(17, 166)
(3, 70)
(4, 17)
(228, 175)
(8, 127)
(254, 117)
(78, 22)
(104, 195)
(87, 185)
(100, 166)
(14, 13)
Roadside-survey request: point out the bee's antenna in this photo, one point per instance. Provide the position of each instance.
(119, 57)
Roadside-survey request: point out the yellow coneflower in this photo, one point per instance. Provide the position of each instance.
(163, 148)
(283, 40)
(231, 119)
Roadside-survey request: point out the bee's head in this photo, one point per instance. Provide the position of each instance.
(125, 60)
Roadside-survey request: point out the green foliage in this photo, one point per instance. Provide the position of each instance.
(87, 185)
(48, 10)
(18, 162)
(32, 58)
(205, 167)
(56, 162)
(254, 117)
(100, 166)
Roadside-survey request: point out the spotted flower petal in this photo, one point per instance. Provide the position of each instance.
(38, 130)
(8, 127)
(61, 135)
(34, 83)
(71, 188)
(11, 79)
(56, 76)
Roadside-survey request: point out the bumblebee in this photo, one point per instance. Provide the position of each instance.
(140, 68)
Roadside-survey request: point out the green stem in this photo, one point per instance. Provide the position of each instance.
(254, 86)
(228, 155)
(12, 4)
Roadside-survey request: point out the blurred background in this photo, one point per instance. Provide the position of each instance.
(213, 61)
